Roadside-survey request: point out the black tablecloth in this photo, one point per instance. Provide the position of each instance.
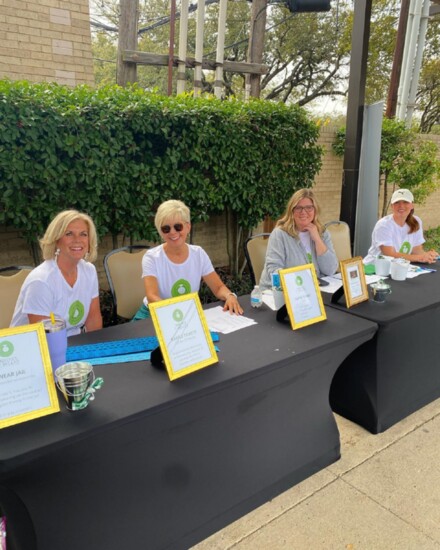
(159, 464)
(397, 372)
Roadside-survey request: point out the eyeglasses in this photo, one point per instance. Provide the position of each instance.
(167, 228)
(309, 208)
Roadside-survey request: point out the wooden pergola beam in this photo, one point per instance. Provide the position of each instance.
(145, 58)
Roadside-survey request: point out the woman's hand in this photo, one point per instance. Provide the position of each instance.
(222, 292)
(320, 246)
(428, 257)
(232, 305)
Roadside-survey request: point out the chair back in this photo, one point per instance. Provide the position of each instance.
(10, 286)
(255, 252)
(123, 268)
(340, 235)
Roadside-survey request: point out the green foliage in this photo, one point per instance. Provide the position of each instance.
(405, 161)
(117, 153)
(432, 237)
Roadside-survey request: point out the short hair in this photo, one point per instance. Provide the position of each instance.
(170, 210)
(287, 221)
(57, 228)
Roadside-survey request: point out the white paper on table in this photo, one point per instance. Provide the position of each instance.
(335, 282)
(222, 321)
(374, 278)
(416, 270)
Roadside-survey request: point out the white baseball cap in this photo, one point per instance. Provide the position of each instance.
(402, 195)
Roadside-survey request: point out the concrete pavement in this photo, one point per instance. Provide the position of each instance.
(383, 494)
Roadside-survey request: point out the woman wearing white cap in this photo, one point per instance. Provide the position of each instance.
(400, 234)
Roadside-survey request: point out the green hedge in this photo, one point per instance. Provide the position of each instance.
(117, 153)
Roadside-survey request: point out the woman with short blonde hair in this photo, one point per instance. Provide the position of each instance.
(57, 228)
(175, 267)
(66, 283)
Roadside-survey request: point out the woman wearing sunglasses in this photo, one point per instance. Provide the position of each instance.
(299, 238)
(175, 268)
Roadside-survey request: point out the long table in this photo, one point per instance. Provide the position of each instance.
(162, 465)
(397, 372)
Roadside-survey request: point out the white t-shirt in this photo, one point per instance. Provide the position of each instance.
(45, 290)
(304, 237)
(176, 279)
(387, 232)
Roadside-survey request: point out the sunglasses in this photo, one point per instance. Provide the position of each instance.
(167, 228)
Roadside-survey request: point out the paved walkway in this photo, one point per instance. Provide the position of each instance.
(383, 494)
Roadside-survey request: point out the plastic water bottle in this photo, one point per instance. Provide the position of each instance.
(256, 297)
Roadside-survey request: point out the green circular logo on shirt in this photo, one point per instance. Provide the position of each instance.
(76, 312)
(178, 315)
(299, 280)
(6, 348)
(180, 288)
(405, 248)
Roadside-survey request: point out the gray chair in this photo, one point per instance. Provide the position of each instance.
(123, 268)
(255, 253)
(10, 286)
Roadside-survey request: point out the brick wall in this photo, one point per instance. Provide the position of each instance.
(46, 41)
(328, 184)
(211, 235)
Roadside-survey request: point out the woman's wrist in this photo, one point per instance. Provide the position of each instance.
(229, 295)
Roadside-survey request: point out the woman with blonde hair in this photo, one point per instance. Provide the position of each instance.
(66, 283)
(299, 238)
(175, 268)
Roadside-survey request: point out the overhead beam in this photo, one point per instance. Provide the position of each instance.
(145, 58)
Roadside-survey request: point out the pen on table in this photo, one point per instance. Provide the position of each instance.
(427, 268)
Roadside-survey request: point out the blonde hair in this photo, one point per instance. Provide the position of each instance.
(287, 221)
(57, 228)
(170, 210)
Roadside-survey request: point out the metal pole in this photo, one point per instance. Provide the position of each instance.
(397, 60)
(415, 12)
(417, 63)
(355, 109)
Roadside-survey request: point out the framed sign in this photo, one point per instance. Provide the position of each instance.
(302, 295)
(183, 334)
(353, 281)
(27, 388)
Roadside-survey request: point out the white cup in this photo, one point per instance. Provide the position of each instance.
(399, 269)
(382, 267)
(278, 298)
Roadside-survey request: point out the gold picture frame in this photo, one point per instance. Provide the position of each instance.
(302, 295)
(27, 387)
(184, 338)
(353, 281)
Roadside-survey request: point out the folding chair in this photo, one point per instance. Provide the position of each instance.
(10, 286)
(255, 252)
(340, 235)
(123, 268)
